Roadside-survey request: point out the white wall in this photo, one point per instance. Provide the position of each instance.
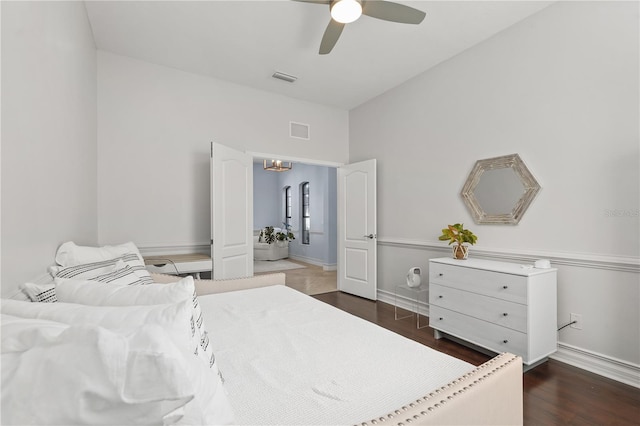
(322, 246)
(48, 135)
(154, 128)
(322, 193)
(561, 89)
(267, 198)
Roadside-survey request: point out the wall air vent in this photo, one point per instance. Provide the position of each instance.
(285, 77)
(299, 130)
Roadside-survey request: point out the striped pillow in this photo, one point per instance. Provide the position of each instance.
(122, 276)
(45, 293)
(108, 271)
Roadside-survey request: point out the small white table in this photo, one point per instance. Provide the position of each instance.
(417, 295)
(177, 264)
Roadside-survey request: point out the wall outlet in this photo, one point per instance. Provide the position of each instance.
(578, 321)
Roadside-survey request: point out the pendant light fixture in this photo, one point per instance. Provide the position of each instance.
(276, 165)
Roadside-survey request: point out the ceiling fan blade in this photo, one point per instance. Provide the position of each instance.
(395, 12)
(331, 36)
(314, 1)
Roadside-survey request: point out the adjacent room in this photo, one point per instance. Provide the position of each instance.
(424, 201)
(300, 198)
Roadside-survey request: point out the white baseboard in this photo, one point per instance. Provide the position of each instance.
(615, 369)
(621, 371)
(305, 259)
(317, 262)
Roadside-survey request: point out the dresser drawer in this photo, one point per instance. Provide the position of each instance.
(502, 312)
(494, 284)
(491, 336)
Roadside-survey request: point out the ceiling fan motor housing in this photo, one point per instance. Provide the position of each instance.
(346, 11)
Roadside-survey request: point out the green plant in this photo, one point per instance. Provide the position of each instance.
(269, 235)
(457, 234)
(287, 235)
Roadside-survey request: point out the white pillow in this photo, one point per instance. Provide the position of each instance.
(70, 254)
(13, 325)
(124, 270)
(175, 318)
(112, 379)
(88, 293)
(210, 405)
(210, 393)
(91, 293)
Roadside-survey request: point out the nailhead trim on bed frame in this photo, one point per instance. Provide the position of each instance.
(426, 399)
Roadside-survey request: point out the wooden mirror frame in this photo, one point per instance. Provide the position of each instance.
(531, 189)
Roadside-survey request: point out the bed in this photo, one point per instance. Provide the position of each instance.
(271, 355)
(288, 358)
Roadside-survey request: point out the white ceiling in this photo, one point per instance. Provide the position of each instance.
(245, 42)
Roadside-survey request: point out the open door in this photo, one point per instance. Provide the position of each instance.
(357, 229)
(231, 213)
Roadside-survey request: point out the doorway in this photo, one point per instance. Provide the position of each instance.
(232, 211)
(304, 195)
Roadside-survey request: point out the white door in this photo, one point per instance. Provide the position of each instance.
(357, 228)
(231, 213)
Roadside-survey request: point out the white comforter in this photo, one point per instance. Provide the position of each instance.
(288, 358)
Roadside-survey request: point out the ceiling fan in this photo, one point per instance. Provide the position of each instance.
(346, 11)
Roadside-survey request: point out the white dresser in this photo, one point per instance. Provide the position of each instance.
(498, 306)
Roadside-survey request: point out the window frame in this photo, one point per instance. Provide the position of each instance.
(305, 213)
(288, 207)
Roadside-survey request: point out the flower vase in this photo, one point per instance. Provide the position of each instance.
(460, 252)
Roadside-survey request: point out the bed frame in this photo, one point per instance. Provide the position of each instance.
(491, 394)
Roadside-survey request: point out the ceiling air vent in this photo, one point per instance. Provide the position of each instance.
(299, 130)
(285, 77)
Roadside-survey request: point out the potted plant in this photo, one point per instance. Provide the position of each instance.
(285, 234)
(270, 235)
(458, 235)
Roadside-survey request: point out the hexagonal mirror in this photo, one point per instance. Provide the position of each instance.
(499, 190)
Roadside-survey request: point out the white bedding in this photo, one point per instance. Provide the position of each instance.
(288, 358)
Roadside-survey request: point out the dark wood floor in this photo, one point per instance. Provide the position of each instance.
(554, 393)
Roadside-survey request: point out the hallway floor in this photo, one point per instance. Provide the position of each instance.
(310, 280)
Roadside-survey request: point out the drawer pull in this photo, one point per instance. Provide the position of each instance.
(505, 287)
(440, 318)
(440, 274)
(505, 341)
(440, 297)
(505, 314)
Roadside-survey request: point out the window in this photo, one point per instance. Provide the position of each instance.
(287, 206)
(306, 215)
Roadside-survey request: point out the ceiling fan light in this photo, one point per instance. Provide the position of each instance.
(346, 11)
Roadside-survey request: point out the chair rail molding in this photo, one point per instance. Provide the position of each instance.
(179, 248)
(614, 263)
